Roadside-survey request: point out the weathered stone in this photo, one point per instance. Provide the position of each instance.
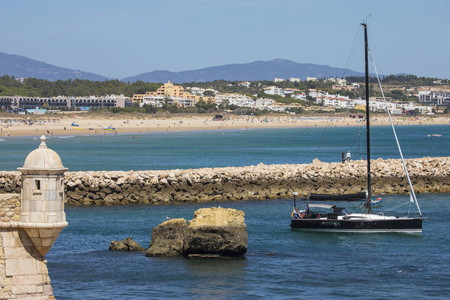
(125, 245)
(168, 238)
(213, 231)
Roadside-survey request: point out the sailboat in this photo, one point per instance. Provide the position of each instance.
(332, 218)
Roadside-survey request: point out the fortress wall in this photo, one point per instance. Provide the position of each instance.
(23, 271)
(428, 174)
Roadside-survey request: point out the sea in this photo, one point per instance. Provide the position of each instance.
(280, 263)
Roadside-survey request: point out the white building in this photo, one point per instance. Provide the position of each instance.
(376, 105)
(287, 91)
(235, 99)
(311, 79)
(295, 79)
(196, 91)
(274, 90)
(278, 79)
(434, 98)
(245, 83)
(316, 94)
(158, 101)
(336, 102)
(264, 103)
(299, 96)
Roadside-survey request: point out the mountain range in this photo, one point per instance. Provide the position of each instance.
(21, 66)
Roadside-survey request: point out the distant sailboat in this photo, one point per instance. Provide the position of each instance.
(331, 218)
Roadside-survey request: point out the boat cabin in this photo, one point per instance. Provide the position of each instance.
(315, 211)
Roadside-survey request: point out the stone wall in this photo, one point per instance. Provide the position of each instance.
(23, 271)
(429, 175)
(9, 208)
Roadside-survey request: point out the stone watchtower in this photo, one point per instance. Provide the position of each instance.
(42, 197)
(30, 224)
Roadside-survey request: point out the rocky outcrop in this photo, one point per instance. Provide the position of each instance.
(428, 174)
(125, 245)
(168, 238)
(213, 231)
(217, 231)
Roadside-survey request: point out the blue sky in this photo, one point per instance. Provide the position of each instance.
(125, 38)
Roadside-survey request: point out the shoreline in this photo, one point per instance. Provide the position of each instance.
(98, 125)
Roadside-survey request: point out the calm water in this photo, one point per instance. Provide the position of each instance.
(183, 150)
(312, 265)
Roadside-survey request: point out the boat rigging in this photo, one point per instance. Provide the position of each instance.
(326, 217)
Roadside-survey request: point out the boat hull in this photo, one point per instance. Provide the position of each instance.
(363, 226)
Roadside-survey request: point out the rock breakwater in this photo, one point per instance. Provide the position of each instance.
(428, 174)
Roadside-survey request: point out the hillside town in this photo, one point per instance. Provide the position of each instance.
(421, 100)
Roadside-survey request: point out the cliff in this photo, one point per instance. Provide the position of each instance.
(428, 174)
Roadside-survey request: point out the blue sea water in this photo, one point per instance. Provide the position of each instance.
(300, 265)
(227, 148)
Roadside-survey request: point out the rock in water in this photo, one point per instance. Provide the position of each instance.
(213, 231)
(168, 238)
(126, 245)
(217, 230)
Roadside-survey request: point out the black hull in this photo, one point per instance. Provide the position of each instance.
(394, 225)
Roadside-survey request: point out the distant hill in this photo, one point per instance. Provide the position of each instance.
(21, 66)
(258, 70)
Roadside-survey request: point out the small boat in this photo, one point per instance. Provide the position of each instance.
(437, 135)
(333, 218)
(75, 126)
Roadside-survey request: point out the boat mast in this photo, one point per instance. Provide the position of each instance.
(369, 183)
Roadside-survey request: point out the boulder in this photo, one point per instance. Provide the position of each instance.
(168, 238)
(125, 245)
(213, 232)
(217, 230)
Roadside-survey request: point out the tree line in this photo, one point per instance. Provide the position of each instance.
(33, 87)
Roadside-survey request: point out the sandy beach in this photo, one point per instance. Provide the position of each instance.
(36, 125)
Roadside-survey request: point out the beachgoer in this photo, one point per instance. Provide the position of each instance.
(349, 156)
(343, 156)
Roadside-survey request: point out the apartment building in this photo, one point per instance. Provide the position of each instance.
(172, 95)
(299, 96)
(434, 98)
(235, 99)
(63, 102)
(274, 90)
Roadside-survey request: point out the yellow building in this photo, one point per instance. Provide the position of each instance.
(138, 98)
(171, 93)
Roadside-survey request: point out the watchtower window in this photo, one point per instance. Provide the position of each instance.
(37, 185)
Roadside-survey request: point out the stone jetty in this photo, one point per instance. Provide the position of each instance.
(428, 174)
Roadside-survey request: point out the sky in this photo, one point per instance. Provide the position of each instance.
(118, 39)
